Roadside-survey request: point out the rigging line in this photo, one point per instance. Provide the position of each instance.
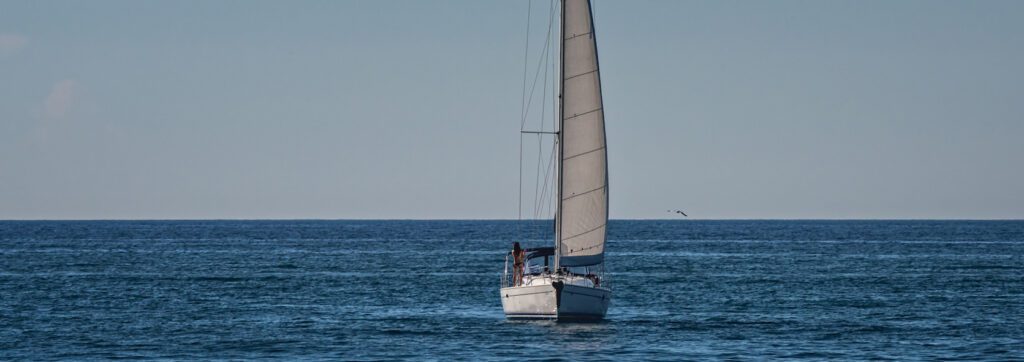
(520, 211)
(522, 115)
(545, 198)
(541, 198)
(526, 62)
(533, 86)
(556, 99)
(540, 140)
(548, 173)
(555, 79)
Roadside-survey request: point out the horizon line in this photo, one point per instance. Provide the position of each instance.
(527, 220)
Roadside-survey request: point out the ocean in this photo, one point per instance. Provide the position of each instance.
(428, 290)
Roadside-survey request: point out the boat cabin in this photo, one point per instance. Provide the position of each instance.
(539, 264)
(539, 260)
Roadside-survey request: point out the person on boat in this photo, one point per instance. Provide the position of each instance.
(518, 258)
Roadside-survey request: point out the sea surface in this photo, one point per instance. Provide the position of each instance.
(428, 290)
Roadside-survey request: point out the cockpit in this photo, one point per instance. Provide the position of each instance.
(540, 263)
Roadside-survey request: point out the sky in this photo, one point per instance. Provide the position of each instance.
(411, 109)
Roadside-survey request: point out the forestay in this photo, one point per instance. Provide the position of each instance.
(583, 204)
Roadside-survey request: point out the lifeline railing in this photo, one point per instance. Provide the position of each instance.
(504, 274)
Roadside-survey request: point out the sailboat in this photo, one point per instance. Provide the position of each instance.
(566, 281)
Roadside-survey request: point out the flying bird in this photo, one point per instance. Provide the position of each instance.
(679, 212)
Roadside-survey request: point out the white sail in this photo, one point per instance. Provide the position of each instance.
(583, 182)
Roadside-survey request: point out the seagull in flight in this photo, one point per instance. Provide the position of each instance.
(679, 212)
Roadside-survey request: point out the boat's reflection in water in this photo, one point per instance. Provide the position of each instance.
(579, 336)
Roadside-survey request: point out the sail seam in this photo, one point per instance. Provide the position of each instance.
(583, 193)
(584, 113)
(581, 74)
(574, 36)
(584, 233)
(581, 154)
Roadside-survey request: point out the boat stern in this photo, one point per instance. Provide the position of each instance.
(557, 300)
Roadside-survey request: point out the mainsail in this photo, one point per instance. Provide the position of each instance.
(583, 168)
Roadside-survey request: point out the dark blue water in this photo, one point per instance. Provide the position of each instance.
(371, 290)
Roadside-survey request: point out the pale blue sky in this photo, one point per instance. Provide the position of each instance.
(410, 109)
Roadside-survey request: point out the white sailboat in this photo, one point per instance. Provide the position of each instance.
(564, 282)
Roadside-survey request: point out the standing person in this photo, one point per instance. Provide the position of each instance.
(518, 259)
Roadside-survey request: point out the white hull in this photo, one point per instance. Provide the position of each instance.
(543, 298)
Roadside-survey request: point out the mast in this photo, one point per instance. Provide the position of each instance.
(558, 137)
